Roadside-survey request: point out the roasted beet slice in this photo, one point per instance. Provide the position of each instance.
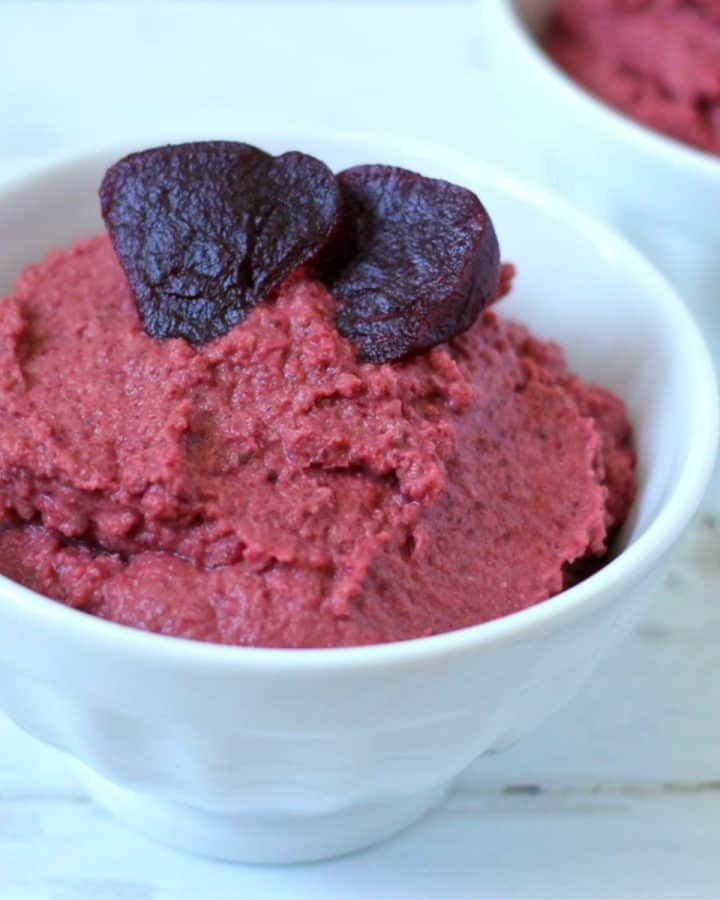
(425, 262)
(205, 231)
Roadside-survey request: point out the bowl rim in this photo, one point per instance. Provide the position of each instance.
(675, 152)
(631, 566)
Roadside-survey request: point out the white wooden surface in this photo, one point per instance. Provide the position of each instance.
(619, 796)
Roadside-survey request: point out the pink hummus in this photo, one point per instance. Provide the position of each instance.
(267, 489)
(656, 60)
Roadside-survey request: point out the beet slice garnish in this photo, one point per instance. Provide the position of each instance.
(206, 231)
(425, 262)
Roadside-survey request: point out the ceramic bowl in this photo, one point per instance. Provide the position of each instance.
(661, 193)
(287, 755)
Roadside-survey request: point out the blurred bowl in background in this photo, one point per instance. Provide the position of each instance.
(664, 195)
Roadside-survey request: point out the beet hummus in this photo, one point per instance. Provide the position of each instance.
(658, 61)
(268, 489)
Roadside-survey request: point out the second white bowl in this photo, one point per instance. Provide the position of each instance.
(659, 192)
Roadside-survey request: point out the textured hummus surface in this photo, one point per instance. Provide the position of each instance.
(268, 489)
(656, 60)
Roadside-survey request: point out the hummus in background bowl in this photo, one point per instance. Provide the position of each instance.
(659, 192)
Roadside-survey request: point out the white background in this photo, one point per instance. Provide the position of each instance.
(619, 796)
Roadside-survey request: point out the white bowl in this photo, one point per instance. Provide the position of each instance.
(661, 193)
(284, 755)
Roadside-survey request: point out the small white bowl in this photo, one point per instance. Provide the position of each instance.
(286, 755)
(661, 193)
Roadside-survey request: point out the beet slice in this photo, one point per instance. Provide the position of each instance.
(205, 231)
(425, 262)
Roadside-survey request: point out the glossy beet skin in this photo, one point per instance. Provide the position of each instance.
(206, 231)
(425, 262)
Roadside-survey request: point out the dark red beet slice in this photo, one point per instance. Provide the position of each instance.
(425, 262)
(205, 231)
